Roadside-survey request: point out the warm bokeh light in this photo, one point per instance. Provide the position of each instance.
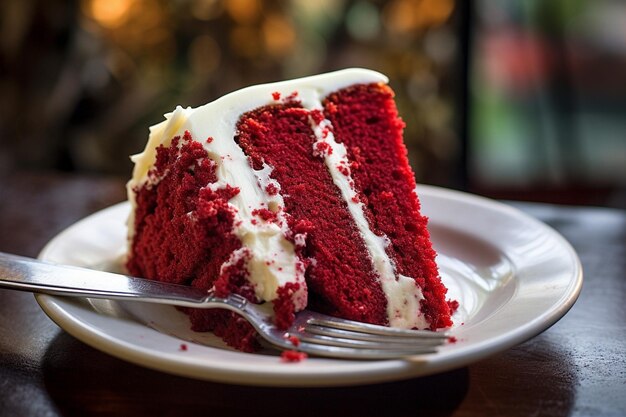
(399, 16)
(244, 11)
(138, 30)
(434, 12)
(406, 16)
(278, 34)
(108, 13)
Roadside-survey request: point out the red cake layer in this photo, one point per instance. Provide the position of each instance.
(366, 120)
(341, 280)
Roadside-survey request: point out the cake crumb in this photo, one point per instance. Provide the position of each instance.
(292, 97)
(322, 149)
(183, 347)
(452, 339)
(343, 169)
(294, 340)
(271, 189)
(265, 214)
(290, 356)
(453, 305)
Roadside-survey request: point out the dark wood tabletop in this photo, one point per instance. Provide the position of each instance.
(575, 368)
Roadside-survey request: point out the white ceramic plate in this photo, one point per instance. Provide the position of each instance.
(512, 275)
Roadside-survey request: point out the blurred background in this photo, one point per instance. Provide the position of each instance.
(512, 99)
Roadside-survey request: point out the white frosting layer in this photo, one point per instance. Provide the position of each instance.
(269, 256)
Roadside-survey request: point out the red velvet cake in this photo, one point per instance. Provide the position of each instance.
(297, 194)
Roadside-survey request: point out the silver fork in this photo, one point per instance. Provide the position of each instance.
(313, 333)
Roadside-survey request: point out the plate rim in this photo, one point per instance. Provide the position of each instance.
(352, 372)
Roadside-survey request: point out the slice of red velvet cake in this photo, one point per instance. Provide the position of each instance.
(296, 193)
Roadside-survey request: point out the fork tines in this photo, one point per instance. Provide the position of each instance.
(348, 339)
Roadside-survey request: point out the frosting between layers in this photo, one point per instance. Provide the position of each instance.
(270, 256)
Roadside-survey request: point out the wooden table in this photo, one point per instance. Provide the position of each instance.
(577, 367)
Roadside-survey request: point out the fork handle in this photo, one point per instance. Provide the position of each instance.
(27, 274)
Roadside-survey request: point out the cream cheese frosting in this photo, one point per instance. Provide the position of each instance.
(269, 255)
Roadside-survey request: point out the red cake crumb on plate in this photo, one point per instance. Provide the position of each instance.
(292, 356)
